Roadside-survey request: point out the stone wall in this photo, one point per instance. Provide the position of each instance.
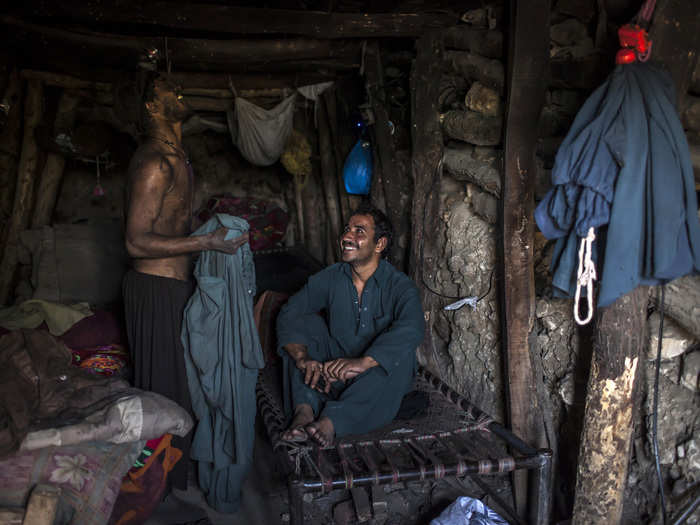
(218, 168)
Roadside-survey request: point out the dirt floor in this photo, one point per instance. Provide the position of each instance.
(265, 499)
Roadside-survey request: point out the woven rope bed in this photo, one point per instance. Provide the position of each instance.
(450, 438)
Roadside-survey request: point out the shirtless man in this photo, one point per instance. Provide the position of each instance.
(158, 223)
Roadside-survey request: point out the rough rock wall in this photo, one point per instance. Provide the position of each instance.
(467, 351)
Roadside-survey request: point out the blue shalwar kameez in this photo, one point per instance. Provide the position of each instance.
(385, 323)
(222, 358)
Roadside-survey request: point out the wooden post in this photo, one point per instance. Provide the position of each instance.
(607, 424)
(427, 148)
(329, 97)
(53, 169)
(329, 179)
(528, 61)
(392, 178)
(24, 193)
(10, 140)
(621, 328)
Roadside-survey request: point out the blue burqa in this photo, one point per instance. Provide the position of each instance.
(624, 168)
(222, 358)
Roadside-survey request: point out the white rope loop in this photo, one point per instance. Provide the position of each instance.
(585, 277)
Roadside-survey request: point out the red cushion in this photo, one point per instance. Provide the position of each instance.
(99, 329)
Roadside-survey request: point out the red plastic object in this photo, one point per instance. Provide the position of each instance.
(625, 56)
(634, 42)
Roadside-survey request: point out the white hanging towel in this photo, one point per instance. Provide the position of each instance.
(262, 134)
(312, 91)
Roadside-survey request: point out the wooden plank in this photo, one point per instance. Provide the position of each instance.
(427, 148)
(244, 20)
(528, 59)
(604, 454)
(10, 141)
(329, 181)
(50, 181)
(24, 192)
(675, 31)
(183, 51)
(393, 180)
(329, 97)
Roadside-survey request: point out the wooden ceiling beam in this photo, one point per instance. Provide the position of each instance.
(183, 52)
(194, 84)
(226, 19)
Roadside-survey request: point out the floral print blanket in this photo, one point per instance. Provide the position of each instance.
(89, 476)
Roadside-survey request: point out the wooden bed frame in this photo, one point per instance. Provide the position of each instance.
(452, 438)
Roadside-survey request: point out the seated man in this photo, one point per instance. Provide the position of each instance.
(346, 372)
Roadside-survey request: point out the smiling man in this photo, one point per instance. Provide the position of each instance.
(349, 337)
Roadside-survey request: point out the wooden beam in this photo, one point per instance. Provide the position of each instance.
(10, 141)
(329, 97)
(243, 20)
(50, 181)
(675, 32)
(24, 192)
(427, 149)
(394, 181)
(528, 58)
(608, 426)
(183, 52)
(329, 180)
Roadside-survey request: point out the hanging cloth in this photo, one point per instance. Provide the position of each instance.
(222, 358)
(623, 169)
(261, 134)
(312, 91)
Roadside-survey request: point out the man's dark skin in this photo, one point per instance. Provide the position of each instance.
(160, 194)
(358, 248)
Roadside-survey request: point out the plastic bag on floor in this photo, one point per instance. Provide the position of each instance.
(468, 511)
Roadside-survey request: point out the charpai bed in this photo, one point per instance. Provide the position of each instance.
(450, 437)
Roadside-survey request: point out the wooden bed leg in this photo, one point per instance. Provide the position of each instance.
(541, 489)
(296, 501)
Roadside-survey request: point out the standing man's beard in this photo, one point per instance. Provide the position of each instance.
(178, 112)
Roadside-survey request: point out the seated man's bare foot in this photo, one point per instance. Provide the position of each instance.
(296, 433)
(321, 431)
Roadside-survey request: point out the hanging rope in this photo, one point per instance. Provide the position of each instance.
(585, 277)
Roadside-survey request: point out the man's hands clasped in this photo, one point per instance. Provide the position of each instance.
(319, 376)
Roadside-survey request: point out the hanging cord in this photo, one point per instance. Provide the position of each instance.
(585, 277)
(645, 13)
(687, 512)
(655, 410)
(643, 19)
(232, 87)
(167, 55)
